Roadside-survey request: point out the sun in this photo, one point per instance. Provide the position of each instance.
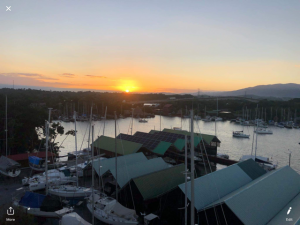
(127, 91)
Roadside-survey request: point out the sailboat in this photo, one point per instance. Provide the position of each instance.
(8, 167)
(109, 210)
(240, 134)
(264, 162)
(143, 120)
(40, 205)
(70, 191)
(186, 115)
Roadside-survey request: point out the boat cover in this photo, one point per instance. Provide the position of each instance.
(74, 219)
(50, 204)
(32, 200)
(122, 211)
(35, 160)
(8, 164)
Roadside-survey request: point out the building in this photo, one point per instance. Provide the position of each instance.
(149, 146)
(147, 191)
(23, 158)
(133, 170)
(211, 142)
(106, 145)
(245, 194)
(167, 109)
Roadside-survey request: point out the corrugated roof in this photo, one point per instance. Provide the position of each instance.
(162, 147)
(109, 164)
(152, 131)
(251, 169)
(158, 183)
(126, 173)
(206, 137)
(123, 147)
(265, 196)
(280, 218)
(211, 187)
(179, 144)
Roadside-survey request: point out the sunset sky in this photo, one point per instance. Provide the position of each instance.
(149, 45)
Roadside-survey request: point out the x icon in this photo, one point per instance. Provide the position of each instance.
(8, 8)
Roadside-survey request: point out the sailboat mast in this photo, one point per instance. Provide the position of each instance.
(256, 138)
(116, 156)
(192, 172)
(104, 120)
(76, 147)
(46, 167)
(6, 124)
(186, 171)
(131, 121)
(90, 127)
(93, 174)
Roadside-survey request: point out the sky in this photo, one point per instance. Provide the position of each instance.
(149, 45)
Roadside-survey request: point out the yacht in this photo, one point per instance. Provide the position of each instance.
(240, 134)
(264, 162)
(55, 177)
(70, 191)
(263, 131)
(109, 211)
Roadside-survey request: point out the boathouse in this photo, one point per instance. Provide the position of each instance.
(145, 193)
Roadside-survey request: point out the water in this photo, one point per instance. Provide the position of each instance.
(275, 145)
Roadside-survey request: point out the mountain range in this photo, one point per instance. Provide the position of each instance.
(290, 90)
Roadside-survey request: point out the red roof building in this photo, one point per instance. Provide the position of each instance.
(23, 158)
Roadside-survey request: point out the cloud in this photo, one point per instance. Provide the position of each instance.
(70, 75)
(35, 76)
(94, 76)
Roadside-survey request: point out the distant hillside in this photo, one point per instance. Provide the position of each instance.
(273, 90)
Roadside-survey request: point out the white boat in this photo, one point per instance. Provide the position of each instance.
(109, 211)
(197, 117)
(280, 125)
(221, 155)
(74, 219)
(143, 121)
(240, 134)
(84, 153)
(9, 167)
(55, 177)
(207, 119)
(70, 191)
(263, 131)
(218, 119)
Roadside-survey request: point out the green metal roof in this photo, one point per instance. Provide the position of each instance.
(152, 131)
(109, 164)
(261, 200)
(179, 144)
(162, 147)
(211, 187)
(251, 169)
(158, 183)
(206, 137)
(123, 147)
(126, 173)
(280, 218)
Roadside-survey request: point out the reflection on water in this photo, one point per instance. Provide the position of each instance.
(274, 146)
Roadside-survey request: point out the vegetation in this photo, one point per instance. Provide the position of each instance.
(28, 110)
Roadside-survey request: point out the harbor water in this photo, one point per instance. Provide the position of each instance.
(274, 146)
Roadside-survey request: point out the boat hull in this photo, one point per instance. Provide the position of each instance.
(10, 173)
(108, 219)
